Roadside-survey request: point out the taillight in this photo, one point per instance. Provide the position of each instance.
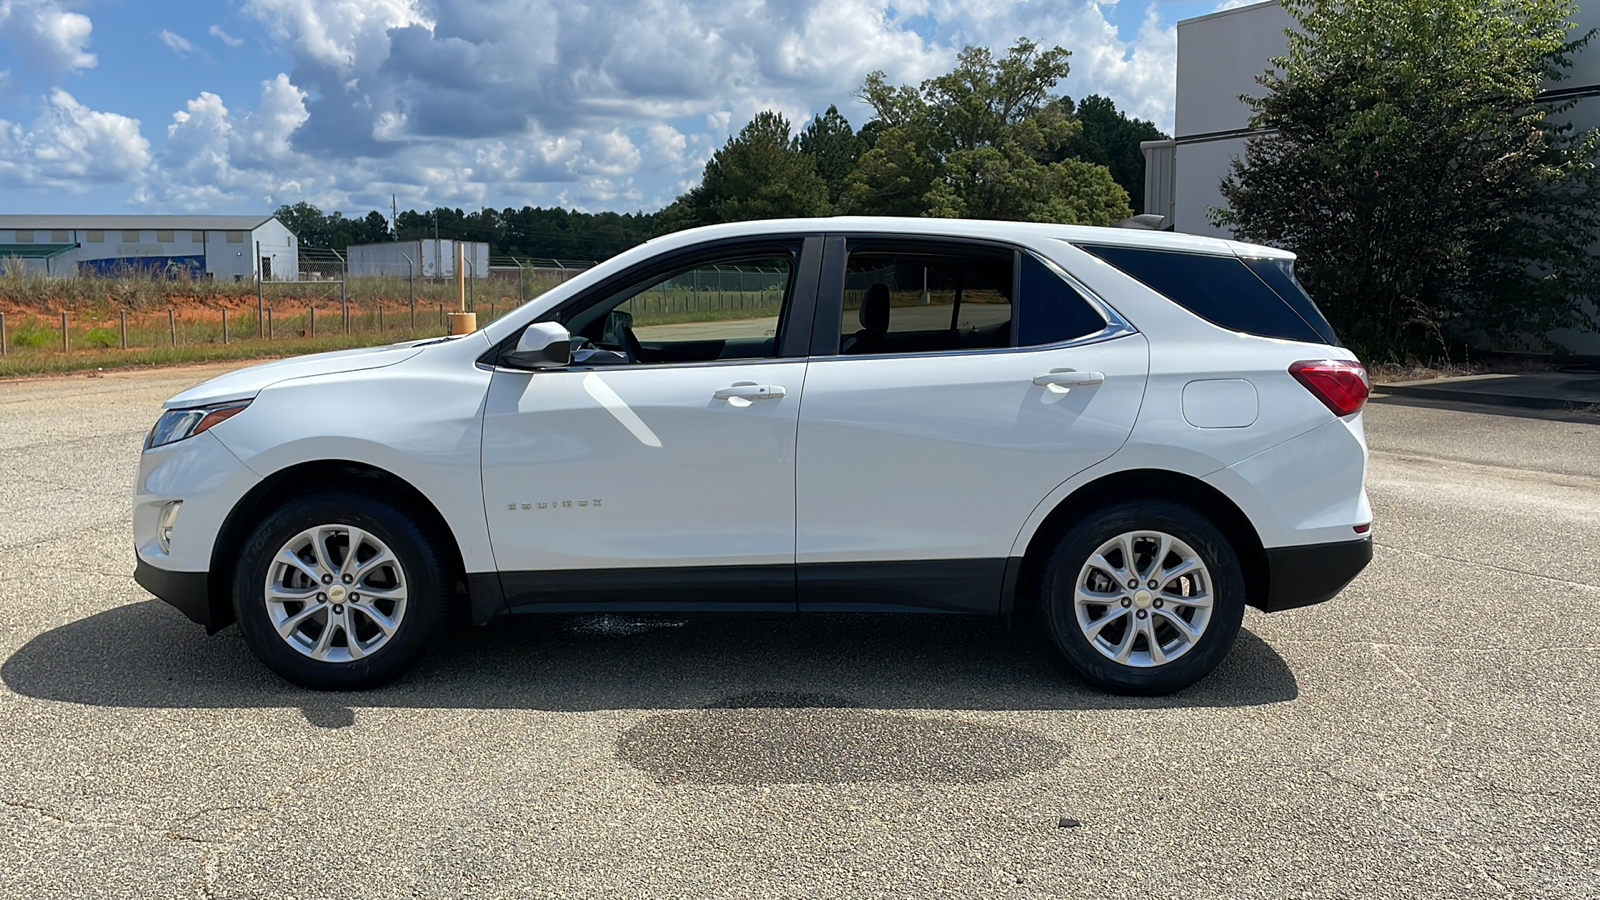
(1340, 384)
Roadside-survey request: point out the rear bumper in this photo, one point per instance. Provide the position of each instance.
(188, 591)
(1313, 573)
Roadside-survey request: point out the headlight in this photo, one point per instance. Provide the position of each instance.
(177, 424)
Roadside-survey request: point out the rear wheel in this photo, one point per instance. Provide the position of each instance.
(340, 591)
(1143, 597)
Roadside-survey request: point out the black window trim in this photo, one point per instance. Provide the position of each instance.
(792, 341)
(829, 315)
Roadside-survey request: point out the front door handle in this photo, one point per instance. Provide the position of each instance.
(749, 390)
(1068, 378)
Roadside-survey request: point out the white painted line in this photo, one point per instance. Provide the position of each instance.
(624, 413)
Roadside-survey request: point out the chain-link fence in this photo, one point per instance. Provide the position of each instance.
(324, 308)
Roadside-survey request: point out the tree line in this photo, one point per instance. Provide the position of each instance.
(990, 139)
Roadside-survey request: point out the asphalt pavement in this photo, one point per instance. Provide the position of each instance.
(1433, 732)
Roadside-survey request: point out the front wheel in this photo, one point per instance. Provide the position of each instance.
(340, 591)
(1143, 597)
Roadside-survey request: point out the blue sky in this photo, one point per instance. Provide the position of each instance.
(189, 106)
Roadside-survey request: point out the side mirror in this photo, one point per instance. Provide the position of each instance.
(543, 345)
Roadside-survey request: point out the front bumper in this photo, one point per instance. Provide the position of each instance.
(1312, 573)
(188, 591)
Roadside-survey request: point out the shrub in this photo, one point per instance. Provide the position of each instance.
(33, 333)
(103, 338)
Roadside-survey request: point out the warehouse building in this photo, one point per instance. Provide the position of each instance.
(218, 248)
(1219, 57)
(428, 258)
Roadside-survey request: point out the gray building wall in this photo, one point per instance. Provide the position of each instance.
(431, 258)
(107, 243)
(1219, 57)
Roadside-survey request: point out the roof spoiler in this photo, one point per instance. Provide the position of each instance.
(1148, 222)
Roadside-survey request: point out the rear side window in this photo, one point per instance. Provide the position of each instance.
(1052, 310)
(1220, 289)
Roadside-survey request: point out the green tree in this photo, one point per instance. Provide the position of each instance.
(1414, 170)
(986, 140)
(832, 143)
(318, 231)
(1111, 138)
(759, 174)
(307, 223)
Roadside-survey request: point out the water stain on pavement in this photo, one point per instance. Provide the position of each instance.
(780, 738)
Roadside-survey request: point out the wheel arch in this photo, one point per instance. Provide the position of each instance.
(1145, 484)
(296, 481)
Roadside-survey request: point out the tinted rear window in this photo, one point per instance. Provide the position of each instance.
(1279, 275)
(1220, 289)
(1053, 310)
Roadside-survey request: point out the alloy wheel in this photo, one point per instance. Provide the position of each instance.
(1143, 599)
(335, 593)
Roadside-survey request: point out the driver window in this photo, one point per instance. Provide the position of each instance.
(726, 309)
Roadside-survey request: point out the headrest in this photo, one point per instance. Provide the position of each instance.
(875, 308)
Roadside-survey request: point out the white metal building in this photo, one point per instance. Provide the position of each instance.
(1219, 57)
(221, 248)
(427, 258)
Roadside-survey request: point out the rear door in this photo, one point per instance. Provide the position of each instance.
(952, 387)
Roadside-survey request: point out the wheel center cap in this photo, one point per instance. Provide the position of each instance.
(336, 593)
(1143, 599)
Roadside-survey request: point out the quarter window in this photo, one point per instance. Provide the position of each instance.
(1052, 309)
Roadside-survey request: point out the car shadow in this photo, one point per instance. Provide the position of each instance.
(146, 655)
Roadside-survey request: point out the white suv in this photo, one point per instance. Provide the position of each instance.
(1131, 434)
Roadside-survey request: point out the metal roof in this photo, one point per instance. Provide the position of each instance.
(34, 251)
(147, 223)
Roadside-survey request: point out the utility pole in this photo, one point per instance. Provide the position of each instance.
(394, 217)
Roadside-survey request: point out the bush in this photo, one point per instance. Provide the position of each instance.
(103, 338)
(35, 334)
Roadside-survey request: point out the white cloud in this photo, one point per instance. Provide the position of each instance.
(177, 43)
(610, 103)
(72, 147)
(47, 37)
(217, 32)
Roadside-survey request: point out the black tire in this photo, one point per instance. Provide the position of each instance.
(1071, 554)
(428, 581)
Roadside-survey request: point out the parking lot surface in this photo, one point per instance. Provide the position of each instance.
(1433, 732)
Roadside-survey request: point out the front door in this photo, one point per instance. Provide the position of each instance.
(664, 477)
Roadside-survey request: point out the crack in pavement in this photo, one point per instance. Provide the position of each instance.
(1483, 565)
(47, 814)
(211, 863)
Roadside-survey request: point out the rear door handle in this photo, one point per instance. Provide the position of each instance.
(749, 390)
(1069, 378)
